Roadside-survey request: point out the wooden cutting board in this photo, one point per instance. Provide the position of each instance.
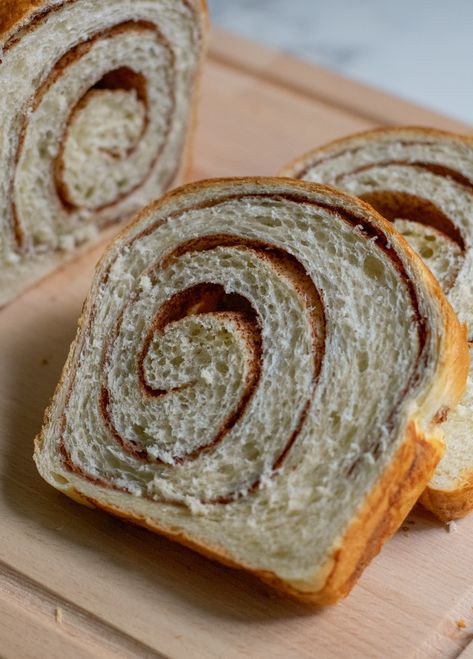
(77, 583)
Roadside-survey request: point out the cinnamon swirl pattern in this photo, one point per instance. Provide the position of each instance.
(96, 107)
(422, 180)
(228, 383)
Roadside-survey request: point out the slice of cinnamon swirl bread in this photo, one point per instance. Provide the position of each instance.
(422, 180)
(96, 106)
(257, 374)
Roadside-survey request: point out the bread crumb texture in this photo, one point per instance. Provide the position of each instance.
(255, 375)
(421, 180)
(96, 104)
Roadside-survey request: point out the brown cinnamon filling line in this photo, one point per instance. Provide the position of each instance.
(123, 78)
(42, 14)
(441, 170)
(287, 265)
(196, 300)
(38, 17)
(366, 229)
(393, 204)
(438, 170)
(212, 298)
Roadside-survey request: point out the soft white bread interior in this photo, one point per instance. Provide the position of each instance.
(96, 108)
(257, 374)
(422, 180)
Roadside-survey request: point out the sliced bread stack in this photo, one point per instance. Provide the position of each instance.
(259, 373)
(422, 181)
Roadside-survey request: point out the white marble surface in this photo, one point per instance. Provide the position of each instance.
(421, 50)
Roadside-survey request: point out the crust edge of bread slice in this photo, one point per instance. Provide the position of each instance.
(398, 487)
(297, 163)
(382, 514)
(449, 505)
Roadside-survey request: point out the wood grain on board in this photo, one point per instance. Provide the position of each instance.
(77, 583)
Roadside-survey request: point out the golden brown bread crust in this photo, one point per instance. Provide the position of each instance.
(382, 514)
(310, 155)
(448, 505)
(398, 487)
(15, 12)
(384, 511)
